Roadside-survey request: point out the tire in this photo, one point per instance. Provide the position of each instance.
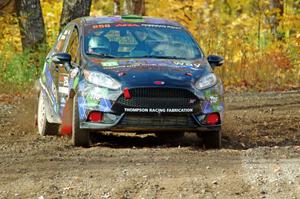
(43, 126)
(80, 137)
(212, 139)
(169, 135)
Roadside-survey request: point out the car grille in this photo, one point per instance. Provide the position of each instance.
(159, 98)
(146, 121)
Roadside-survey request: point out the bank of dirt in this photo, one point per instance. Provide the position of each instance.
(260, 157)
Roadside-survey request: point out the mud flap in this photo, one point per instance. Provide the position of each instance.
(66, 124)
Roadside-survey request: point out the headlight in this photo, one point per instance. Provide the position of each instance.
(101, 79)
(206, 81)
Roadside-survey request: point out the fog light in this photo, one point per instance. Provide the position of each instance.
(212, 119)
(95, 116)
(127, 94)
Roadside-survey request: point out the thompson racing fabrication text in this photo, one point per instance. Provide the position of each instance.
(158, 110)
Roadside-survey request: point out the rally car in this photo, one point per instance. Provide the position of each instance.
(129, 74)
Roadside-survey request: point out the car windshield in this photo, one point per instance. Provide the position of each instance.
(138, 40)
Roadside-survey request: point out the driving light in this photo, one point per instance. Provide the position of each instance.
(212, 119)
(95, 116)
(101, 79)
(206, 81)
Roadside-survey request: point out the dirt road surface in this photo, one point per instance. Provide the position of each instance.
(260, 157)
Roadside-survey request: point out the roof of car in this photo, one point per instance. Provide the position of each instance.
(128, 19)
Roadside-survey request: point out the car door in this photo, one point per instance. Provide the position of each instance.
(51, 72)
(65, 78)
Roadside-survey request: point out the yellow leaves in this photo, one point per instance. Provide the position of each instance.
(103, 7)
(51, 13)
(10, 33)
(238, 30)
(183, 11)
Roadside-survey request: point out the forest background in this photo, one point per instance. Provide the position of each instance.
(259, 39)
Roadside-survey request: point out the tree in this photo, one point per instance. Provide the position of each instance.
(277, 9)
(136, 7)
(117, 7)
(73, 9)
(4, 4)
(31, 23)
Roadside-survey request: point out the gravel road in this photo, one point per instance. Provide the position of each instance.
(260, 157)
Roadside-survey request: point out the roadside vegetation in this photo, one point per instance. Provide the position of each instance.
(259, 39)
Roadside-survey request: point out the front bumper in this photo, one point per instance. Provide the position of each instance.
(146, 123)
(115, 118)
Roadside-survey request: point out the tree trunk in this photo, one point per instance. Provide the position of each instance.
(73, 9)
(7, 6)
(136, 7)
(31, 23)
(4, 3)
(277, 9)
(117, 7)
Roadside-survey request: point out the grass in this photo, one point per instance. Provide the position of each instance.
(20, 69)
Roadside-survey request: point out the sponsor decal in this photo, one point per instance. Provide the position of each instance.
(212, 105)
(99, 26)
(159, 110)
(66, 81)
(181, 63)
(63, 90)
(213, 99)
(160, 26)
(127, 25)
(197, 65)
(109, 64)
(90, 101)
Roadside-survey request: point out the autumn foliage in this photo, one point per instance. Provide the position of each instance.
(260, 42)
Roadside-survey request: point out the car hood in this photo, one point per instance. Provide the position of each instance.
(152, 72)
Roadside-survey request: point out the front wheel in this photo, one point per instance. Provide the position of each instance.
(211, 139)
(80, 137)
(44, 127)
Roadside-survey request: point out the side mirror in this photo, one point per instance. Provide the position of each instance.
(62, 58)
(215, 60)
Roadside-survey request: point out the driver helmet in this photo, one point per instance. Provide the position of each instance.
(99, 44)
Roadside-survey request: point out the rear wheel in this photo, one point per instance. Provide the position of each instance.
(212, 139)
(44, 127)
(80, 137)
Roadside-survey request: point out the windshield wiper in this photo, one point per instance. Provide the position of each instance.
(101, 55)
(161, 57)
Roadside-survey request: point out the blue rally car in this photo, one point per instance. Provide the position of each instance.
(129, 74)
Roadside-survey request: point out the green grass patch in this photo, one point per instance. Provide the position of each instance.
(20, 69)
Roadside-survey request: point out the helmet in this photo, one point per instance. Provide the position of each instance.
(99, 44)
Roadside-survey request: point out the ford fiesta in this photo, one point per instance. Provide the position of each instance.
(129, 74)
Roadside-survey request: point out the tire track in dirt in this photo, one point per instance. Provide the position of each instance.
(277, 177)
